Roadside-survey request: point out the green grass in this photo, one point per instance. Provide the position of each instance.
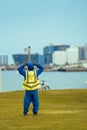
(59, 110)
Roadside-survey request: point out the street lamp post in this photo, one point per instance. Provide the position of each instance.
(28, 50)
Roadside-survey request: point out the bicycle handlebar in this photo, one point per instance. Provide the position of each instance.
(43, 80)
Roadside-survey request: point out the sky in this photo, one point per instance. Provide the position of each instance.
(39, 23)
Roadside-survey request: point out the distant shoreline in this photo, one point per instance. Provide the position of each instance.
(50, 69)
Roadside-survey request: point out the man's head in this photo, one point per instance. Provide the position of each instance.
(30, 65)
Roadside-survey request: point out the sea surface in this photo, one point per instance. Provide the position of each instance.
(12, 80)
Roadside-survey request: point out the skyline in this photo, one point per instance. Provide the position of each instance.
(81, 50)
(39, 23)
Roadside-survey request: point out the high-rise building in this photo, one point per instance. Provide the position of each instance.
(81, 53)
(22, 58)
(37, 58)
(85, 49)
(48, 51)
(3, 59)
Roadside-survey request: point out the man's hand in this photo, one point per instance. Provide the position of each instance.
(35, 63)
(26, 63)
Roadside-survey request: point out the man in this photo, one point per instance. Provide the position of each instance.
(31, 85)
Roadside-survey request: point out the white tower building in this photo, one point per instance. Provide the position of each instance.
(59, 58)
(72, 55)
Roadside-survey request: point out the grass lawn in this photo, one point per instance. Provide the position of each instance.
(59, 110)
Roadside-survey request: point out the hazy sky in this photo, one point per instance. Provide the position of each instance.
(41, 22)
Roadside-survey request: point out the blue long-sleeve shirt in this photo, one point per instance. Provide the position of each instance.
(22, 71)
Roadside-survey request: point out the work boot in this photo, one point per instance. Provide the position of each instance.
(25, 113)
(35, 113)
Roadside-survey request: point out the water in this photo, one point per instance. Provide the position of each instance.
(12, 80)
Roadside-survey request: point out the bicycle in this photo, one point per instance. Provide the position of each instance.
(44, 85)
